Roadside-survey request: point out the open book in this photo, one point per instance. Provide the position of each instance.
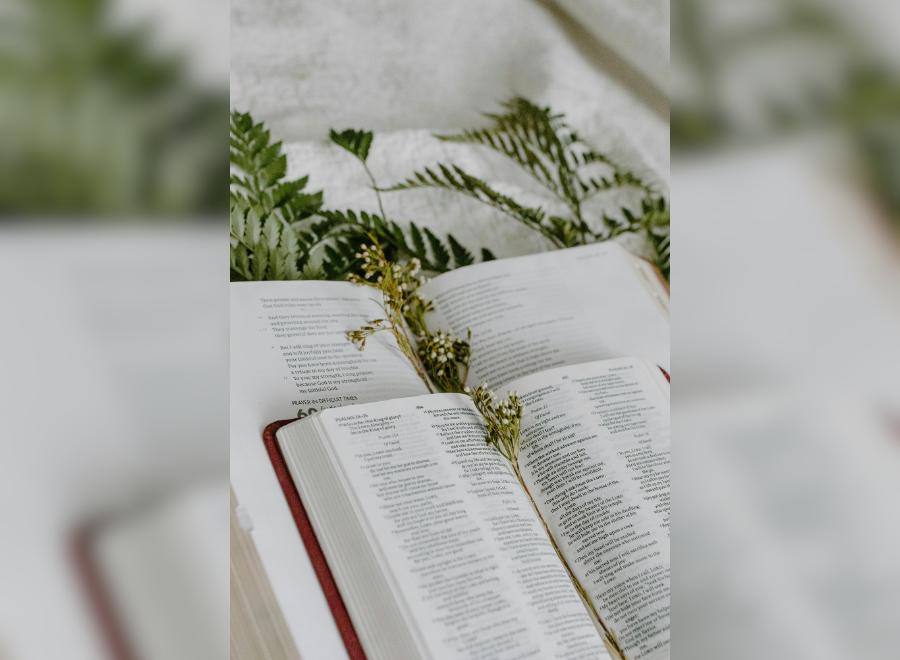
(437, 548)
(290, 358)
(526, 314)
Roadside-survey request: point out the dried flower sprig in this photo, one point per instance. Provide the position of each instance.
(439, 356)
(446, 359)
(502, 421)
(398, 284)
(361, 334)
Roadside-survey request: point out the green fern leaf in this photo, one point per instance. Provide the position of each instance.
(238, 220)
(254, 226)
(540, 141)
(260, 261)
(267, 241)
(418, 240)
(441, 254)
(272, 234)
(454, 178)
(434, 254)
(279, 230)
(461, 256)
(240, 261)
(357, 142)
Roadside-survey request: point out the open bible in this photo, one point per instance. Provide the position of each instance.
(440, 552)
(582, 334)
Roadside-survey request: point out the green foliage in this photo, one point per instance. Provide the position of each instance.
(266, 247)
(435, 254)
(259, 173)
(275, 229)
(551, 152)
(655, 218)
(355, 141)
(452, 177)
(280, 231)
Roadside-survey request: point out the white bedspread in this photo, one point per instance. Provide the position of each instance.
(406, 68)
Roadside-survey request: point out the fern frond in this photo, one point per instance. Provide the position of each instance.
(356, 141)
(656, 223)
(435, 254)
(661, 253)
(441, 255)
(340, 257)
(454, 178)
(258, 173)
(542, 143)
(546, 147)
(461, 256)
(261, 251)
(267, 212)
(535, 138)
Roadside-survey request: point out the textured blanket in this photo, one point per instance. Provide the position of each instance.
(409, 68)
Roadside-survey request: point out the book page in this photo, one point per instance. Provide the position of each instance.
(289, 357)
(595, 456)
(528, 314)
(470, 558)
(290, 337)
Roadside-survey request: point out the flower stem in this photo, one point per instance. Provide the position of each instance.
(375, 189)
(611, 639)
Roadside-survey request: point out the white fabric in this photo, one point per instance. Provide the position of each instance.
(637, 30)
(407, 68)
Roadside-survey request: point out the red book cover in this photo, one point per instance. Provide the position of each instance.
(313, 549)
